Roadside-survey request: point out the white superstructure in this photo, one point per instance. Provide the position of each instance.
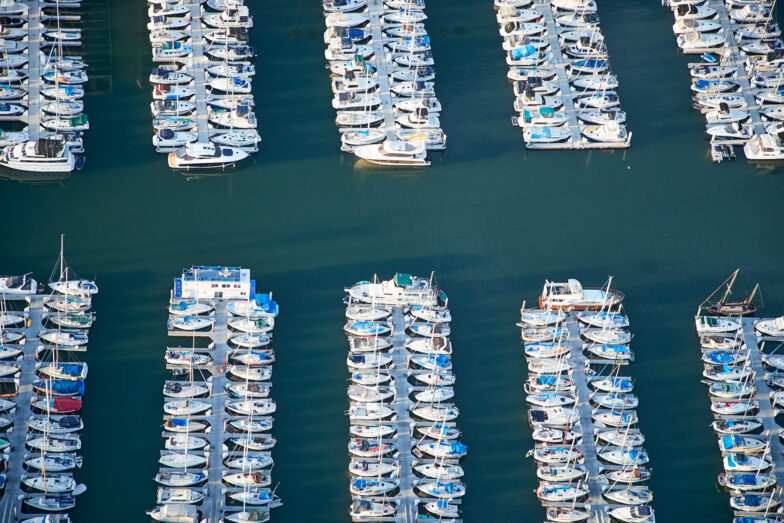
(214, 282)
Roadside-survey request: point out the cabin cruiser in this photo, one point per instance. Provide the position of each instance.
(197, 155)
(42, 155)
(16, 287)
(773, 328)
(572, 296)
(766, 146)
(610, 132)
(394, 153)
(539, 134)
(699, 43)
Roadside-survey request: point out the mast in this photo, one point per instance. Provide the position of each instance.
(62, 256)
(753, 292)
(729, 287)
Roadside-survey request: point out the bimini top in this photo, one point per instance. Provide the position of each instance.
(216, 273)
(403, 279)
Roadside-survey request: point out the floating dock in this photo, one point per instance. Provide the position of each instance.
(233, 455)
(405, 442)
(748, 360)
(587, 444)
(381, 64)
(202, 76)
(47, 104)
(737, 60)
(48, 385)
(548, 101)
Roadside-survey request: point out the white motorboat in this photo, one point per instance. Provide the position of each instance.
(539, 134)
(685, 11)
(394, 153)
(197, 155)
(764, 147)
(611, 132)
(688, 25)
(699, 43)
(175, 513)
(773, 328)
(434, 345)
(732, 131)
(42, 155)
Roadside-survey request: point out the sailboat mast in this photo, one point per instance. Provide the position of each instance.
(729, 287)
(62, 256)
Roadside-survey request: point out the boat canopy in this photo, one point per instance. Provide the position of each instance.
(403, 279)
(49, 147)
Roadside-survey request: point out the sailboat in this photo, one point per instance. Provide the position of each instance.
(730, 308)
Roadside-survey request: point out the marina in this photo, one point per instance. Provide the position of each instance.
(565, 92)
(218, 415)
(42, 88)
(383, 79)
(736, 84)
(405, 449)
(591, 463)
(202, 107)
(44, 331)
(742, 363)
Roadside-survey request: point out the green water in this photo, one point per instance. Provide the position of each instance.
(490, 219)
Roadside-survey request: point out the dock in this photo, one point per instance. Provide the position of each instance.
(30, 64)
(544, 62)
(202, 78)
(596, 481)
(384, 77)
(588, 453)
(47, 388)
(561, 73)
(733, 64)
(409, 498)
(35, 70)
(763, 393)
(209, 367)
(383, 63)
(762, 390)
(198, 68)
(13, 496)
